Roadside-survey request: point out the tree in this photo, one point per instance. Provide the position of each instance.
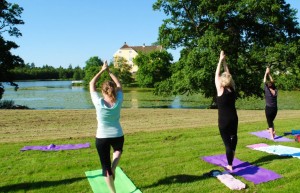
(78, 73)
(154, 67)
(9, 17)
(93, 65)
(252, 33)
(122, 70)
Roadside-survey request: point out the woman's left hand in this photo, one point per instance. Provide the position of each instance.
(222, 55)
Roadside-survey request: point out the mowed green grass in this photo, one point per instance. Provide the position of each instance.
(162, 151)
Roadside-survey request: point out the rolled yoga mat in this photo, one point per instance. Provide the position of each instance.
(227, 179)
(265, 134)
(249, 172)
(295, 132)
(53, 147)
(122, 183)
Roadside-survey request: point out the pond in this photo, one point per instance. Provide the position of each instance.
(62, 95)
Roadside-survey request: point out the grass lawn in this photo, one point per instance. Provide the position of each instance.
(162, 150)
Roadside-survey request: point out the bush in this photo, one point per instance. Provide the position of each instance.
(7, 104)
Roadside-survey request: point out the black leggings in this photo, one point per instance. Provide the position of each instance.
(228, 131)
(271, 113)
(103, 147)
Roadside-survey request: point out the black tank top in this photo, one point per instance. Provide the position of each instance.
(226, 103)
(271, 100)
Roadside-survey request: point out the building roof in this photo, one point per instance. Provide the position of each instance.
(124, 46)
(144, 49)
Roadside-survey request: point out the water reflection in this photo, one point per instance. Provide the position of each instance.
(62, 95)
(176, 102)
(134, 100)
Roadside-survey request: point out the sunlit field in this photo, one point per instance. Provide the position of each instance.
(162, 150)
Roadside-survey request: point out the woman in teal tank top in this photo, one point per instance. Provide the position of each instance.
(109, 131)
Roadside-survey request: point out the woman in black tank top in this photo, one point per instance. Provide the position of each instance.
(227, 115)
(271, 101)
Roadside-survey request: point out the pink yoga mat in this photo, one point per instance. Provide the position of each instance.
(249, 172)
(257, 145)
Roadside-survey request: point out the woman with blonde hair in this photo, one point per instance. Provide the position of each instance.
(109, 131)
(227, 114)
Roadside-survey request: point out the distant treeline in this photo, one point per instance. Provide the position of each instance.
(30, 72)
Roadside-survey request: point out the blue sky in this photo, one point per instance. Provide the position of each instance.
(64, 32)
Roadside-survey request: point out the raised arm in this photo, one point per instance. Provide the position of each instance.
(96, 77)
(270, 77)
(266, 74)
(218, 70)
(225, 66)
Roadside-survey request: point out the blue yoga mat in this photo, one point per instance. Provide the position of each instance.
(295, 132)
(281, 150)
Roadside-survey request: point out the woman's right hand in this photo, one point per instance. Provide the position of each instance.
(104, 66)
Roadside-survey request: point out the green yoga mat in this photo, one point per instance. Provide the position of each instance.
(122, 183)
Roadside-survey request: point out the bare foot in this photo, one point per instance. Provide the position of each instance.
(272, 133)
(229, 167)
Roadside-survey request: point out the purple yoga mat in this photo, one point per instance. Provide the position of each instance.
(53, 147)
(266, 134)
(249, 172)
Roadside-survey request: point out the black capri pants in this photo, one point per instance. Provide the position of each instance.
(271, 113)
(228, 127)
(103, 148)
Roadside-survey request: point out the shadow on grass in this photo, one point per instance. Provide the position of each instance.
(180, 178)
(269, 158)
(38, 185)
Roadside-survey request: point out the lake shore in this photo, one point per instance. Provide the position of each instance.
(31, 125)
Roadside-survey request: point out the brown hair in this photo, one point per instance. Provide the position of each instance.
(110, 89)
(271, 85)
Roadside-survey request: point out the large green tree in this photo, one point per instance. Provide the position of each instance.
(153, 67)
(10, 15)
(122, 70)
(94, 64)
(252, 33)
(92, 67)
